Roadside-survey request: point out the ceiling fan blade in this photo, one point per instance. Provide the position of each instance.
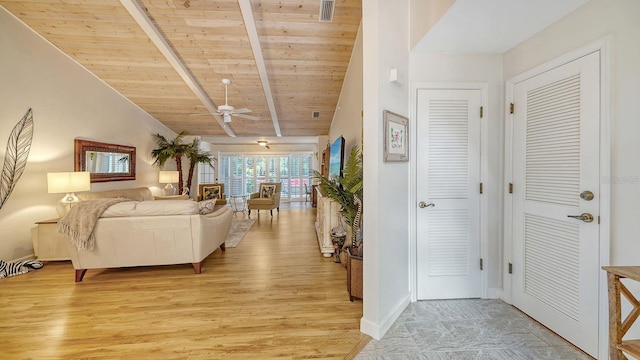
(249, 117)
(208, 114)
(242, 111)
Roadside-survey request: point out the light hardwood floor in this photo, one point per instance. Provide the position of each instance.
(272, 297)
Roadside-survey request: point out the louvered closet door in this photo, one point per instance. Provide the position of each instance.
(555, 158)
(448, 176)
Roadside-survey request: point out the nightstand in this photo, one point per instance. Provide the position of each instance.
(48, 245)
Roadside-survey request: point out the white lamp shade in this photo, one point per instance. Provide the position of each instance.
(68, 182)
(168, 177)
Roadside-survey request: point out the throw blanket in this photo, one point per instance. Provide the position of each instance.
(18, 267)
(79, 222)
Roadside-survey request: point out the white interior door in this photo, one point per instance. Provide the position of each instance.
(555, 160)
(448, 180)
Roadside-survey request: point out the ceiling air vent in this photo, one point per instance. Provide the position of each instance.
(326, 10)
(316, 114)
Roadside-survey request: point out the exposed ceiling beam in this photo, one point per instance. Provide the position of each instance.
(140, 16)
(252, 31)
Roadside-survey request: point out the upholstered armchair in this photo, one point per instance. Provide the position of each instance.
(267, 198)
(211, 191)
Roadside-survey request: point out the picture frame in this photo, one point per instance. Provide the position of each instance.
(211, 192)
(396, 137)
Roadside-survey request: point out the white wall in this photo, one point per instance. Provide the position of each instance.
(425, 14)
(67, 102)
(441, 68)
(386, 186)
(347, 120)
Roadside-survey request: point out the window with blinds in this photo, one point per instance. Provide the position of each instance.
(242, 173)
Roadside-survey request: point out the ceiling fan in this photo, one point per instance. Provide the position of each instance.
(227, 111)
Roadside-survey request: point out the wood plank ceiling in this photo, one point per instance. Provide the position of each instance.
(305, 59)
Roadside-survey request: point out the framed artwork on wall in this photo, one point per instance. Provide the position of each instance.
(396, 137)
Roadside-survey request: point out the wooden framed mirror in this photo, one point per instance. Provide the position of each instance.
(105, 162)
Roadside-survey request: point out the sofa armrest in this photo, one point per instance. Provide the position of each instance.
(254, 196)
(211, 231)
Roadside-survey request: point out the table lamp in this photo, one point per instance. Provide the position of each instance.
(69, 183)
(168, 177)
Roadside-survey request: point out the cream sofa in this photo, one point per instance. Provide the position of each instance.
(146, 232)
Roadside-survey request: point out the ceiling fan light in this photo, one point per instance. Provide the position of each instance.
(226, 117)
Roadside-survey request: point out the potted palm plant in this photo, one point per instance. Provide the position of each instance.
(346, 191)
(170, 149)
(176, 149)
(197, 156)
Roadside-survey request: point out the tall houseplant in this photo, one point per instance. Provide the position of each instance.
(176, 149)
(343, 189)
(170, 149)
(197, 156)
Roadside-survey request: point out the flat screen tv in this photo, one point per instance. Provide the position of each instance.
(336, 158)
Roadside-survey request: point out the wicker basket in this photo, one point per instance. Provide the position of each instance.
(354, 275)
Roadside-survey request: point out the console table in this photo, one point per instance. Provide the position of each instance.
(326, 219)
(617, 327)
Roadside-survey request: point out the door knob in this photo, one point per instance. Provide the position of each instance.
(586, 217)
(423, 205)
(586, 195)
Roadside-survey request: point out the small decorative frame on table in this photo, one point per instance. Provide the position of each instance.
(396, 137)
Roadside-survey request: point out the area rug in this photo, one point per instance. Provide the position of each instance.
(239, 228)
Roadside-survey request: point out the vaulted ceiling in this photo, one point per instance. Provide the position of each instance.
(169, 57)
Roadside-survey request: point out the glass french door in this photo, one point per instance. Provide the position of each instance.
(243, 173)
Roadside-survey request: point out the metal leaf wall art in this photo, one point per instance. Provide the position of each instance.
(15, 159)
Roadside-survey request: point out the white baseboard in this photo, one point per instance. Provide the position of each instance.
(494, 293)
(377, 331)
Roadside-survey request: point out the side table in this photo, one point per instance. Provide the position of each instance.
(617, 327)
(48, 245)
(238, 203)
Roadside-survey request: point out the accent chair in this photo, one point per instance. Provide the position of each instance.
(212, 191)
(267, 198)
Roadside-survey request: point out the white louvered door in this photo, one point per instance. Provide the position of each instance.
(555, 158)
(448, 148)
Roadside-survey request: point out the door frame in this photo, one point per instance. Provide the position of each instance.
(604, 47)
(413, 189)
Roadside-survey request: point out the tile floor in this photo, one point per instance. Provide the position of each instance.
(468, 329)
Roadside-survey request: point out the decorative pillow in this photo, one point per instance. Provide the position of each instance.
(211, 192)
(266, 191)
(206, 206)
